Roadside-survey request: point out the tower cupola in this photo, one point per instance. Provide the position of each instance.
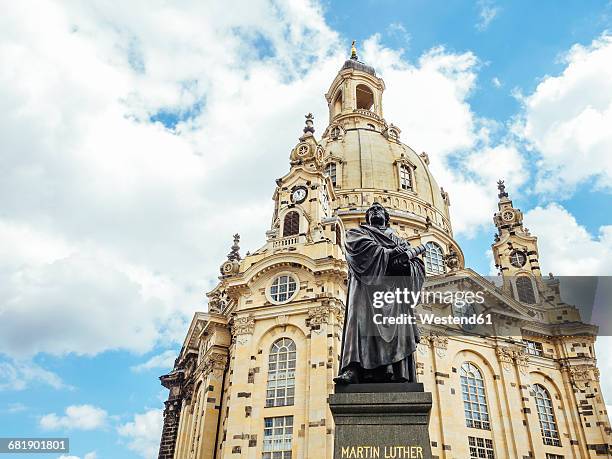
(355, 96)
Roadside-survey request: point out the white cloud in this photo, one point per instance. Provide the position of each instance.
(487, 11)
(397, 29)
(566, 247)
(16, 407)
(19, 375)
(91, 455)
(111, 220)
(164, 361)
(143, 433)
(496, 82)
(77, 417)
(567, 121)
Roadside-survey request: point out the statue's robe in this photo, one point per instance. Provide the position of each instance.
(372, 267)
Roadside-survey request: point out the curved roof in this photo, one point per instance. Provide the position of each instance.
(355, 64)
(370, 162)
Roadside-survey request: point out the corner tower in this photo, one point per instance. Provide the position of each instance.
(515, 251)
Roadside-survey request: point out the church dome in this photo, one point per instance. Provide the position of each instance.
(367, 163)
(372, 166)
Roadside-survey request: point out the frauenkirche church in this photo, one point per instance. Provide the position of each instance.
(255, 370)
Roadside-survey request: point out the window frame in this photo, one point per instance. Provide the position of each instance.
(281, 369)
(533, 347)
(474, 395)
(525, 281)
(477, 448)
(333, 174)
(270, 286)
(430, 262)
(549, 429)
(294, 228)
(277, 445)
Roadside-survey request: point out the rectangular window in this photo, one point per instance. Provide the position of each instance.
(533, 347)
(405, 177)
(481, 448)
(278, 435)
(553, 456)
(330, 171)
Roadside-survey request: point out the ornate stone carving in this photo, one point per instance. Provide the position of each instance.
(521, 359)
(215, 363)
(452, 260)
(504, 355)
(508, 355)
(581, 375)
(243, 325)
(218, 301)
(318, 315)
(438, 342)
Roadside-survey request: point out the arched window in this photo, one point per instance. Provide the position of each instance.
(546, 414)
(365, 97)
(474, 398)
(281, 373)
(291, 225)
(338, 103)
(524, 290)
(338, 235)
(405, 176)
(330, 171)
(434, 258)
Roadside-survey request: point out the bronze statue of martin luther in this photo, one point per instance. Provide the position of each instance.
(379, 260)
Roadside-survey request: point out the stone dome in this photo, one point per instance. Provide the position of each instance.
(357, 65)
(368, 167)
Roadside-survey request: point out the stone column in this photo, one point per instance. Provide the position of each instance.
(172, 413)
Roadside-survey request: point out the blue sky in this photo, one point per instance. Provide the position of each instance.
(133, 149)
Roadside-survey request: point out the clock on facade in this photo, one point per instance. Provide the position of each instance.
(299, 194)
(518, 259)
(508, 215)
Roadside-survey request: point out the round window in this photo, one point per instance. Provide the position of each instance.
(283, 288)
(518, 259)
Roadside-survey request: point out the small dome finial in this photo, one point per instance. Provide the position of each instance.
(502, 189)
(353, 51)
(309, 124)
(234, 255)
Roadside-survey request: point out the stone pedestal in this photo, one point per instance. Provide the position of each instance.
(385, 421)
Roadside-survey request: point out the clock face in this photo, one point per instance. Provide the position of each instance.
(518, 259)
(299, 195)
(508, 215)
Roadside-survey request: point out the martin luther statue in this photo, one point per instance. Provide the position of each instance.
(379, 261)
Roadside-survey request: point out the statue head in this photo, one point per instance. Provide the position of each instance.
(377, 215)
